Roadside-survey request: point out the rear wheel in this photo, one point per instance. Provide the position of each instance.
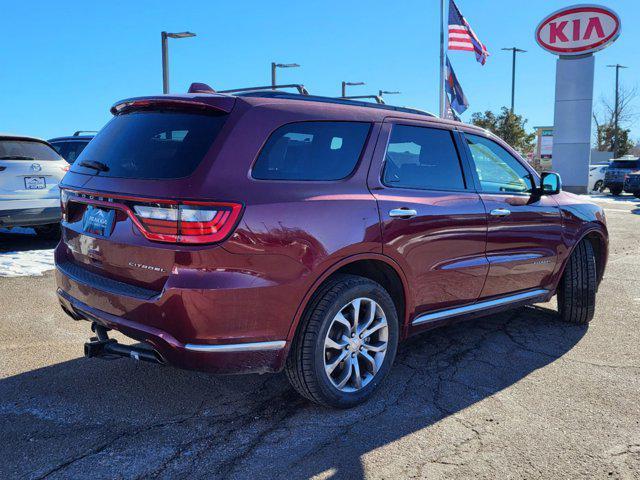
(615, 191)
(598, 186)
(577, 289)
(346, 343)
(636, 194)
(48, 232)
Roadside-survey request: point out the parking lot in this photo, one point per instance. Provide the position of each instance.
(515, 395)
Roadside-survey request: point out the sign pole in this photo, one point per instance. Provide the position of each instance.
(574, 33)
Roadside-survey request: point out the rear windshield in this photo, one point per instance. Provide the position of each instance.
(157, 144)
(70, 150)
(26, 150)
(630, 164)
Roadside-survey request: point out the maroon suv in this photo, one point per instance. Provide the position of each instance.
(270, 231)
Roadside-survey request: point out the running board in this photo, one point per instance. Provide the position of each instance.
(477, 307)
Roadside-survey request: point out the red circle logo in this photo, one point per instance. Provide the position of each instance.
(578, 30)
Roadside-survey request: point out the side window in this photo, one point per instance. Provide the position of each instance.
(311, 151)
(498, 171)
(424, 158)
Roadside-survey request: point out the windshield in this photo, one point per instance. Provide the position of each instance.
(26, 150)
(150, 144)
(70, 150)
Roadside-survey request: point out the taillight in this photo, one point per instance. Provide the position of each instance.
(64, 199)
(187, 222)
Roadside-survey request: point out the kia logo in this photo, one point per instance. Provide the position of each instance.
(36, 167)
(578, 30)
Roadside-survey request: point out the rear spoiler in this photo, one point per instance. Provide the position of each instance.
(221, 103)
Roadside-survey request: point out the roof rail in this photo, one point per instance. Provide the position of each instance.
(377, 98)
(338, 100)
(301, 89)
(77, 134)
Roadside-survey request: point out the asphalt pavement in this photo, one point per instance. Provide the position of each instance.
(517, 395)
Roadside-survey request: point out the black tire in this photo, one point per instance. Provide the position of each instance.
(636, 194)
(48, 232)
(598, 186)
(577, 289)
(615, 191)
(305, 363)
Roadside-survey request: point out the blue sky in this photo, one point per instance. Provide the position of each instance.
(65, 63)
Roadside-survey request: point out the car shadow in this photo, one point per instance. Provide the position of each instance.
(23, 239)
(122, 419)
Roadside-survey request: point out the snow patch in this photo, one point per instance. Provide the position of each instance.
(27, 263)
(625, 200)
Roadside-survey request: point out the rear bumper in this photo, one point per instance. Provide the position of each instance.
(30, 217)
(250, 357)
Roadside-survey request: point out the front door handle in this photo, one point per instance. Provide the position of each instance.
(500, 212)
(402, 213)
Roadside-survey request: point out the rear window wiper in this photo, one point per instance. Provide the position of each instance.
(16, 157)
(99, 166)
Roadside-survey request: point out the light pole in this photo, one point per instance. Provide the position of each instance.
(513, 50)
(616, 109)
(274, 66)
(350, 84)
(165, 55)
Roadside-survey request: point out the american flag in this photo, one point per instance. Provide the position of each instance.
(461, 35)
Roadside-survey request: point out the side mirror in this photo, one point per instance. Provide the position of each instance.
(551, 184)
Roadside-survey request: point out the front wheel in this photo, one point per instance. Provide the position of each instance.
(577, 289)
(346, 342)
(598, 186)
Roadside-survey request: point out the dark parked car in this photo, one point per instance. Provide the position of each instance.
(618, 168)
(71, 147)
(632, 183)
(271, 231)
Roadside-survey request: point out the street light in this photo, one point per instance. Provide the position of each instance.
(165, 55)
(279, 65)
(350, 84)
(514, 50)
(616, 109)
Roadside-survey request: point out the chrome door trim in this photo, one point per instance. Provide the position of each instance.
(476, 307)
(237, 347)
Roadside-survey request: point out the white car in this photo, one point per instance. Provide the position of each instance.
(596, 176)
(30, 171)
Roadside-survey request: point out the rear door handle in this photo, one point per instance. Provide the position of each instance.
(402, 213)
(500, 212)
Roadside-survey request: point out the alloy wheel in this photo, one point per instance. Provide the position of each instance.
(355, 344)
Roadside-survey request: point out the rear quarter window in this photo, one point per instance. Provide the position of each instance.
(151, 144)
(311, 151)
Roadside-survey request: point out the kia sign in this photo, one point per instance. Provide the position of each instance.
(578, 30)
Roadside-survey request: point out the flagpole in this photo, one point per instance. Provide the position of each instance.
(442, 54)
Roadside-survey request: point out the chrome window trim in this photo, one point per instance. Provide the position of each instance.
(453, 312)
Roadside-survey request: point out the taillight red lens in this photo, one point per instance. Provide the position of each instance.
(188, 222)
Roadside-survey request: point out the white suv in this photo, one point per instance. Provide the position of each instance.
(30, 171)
